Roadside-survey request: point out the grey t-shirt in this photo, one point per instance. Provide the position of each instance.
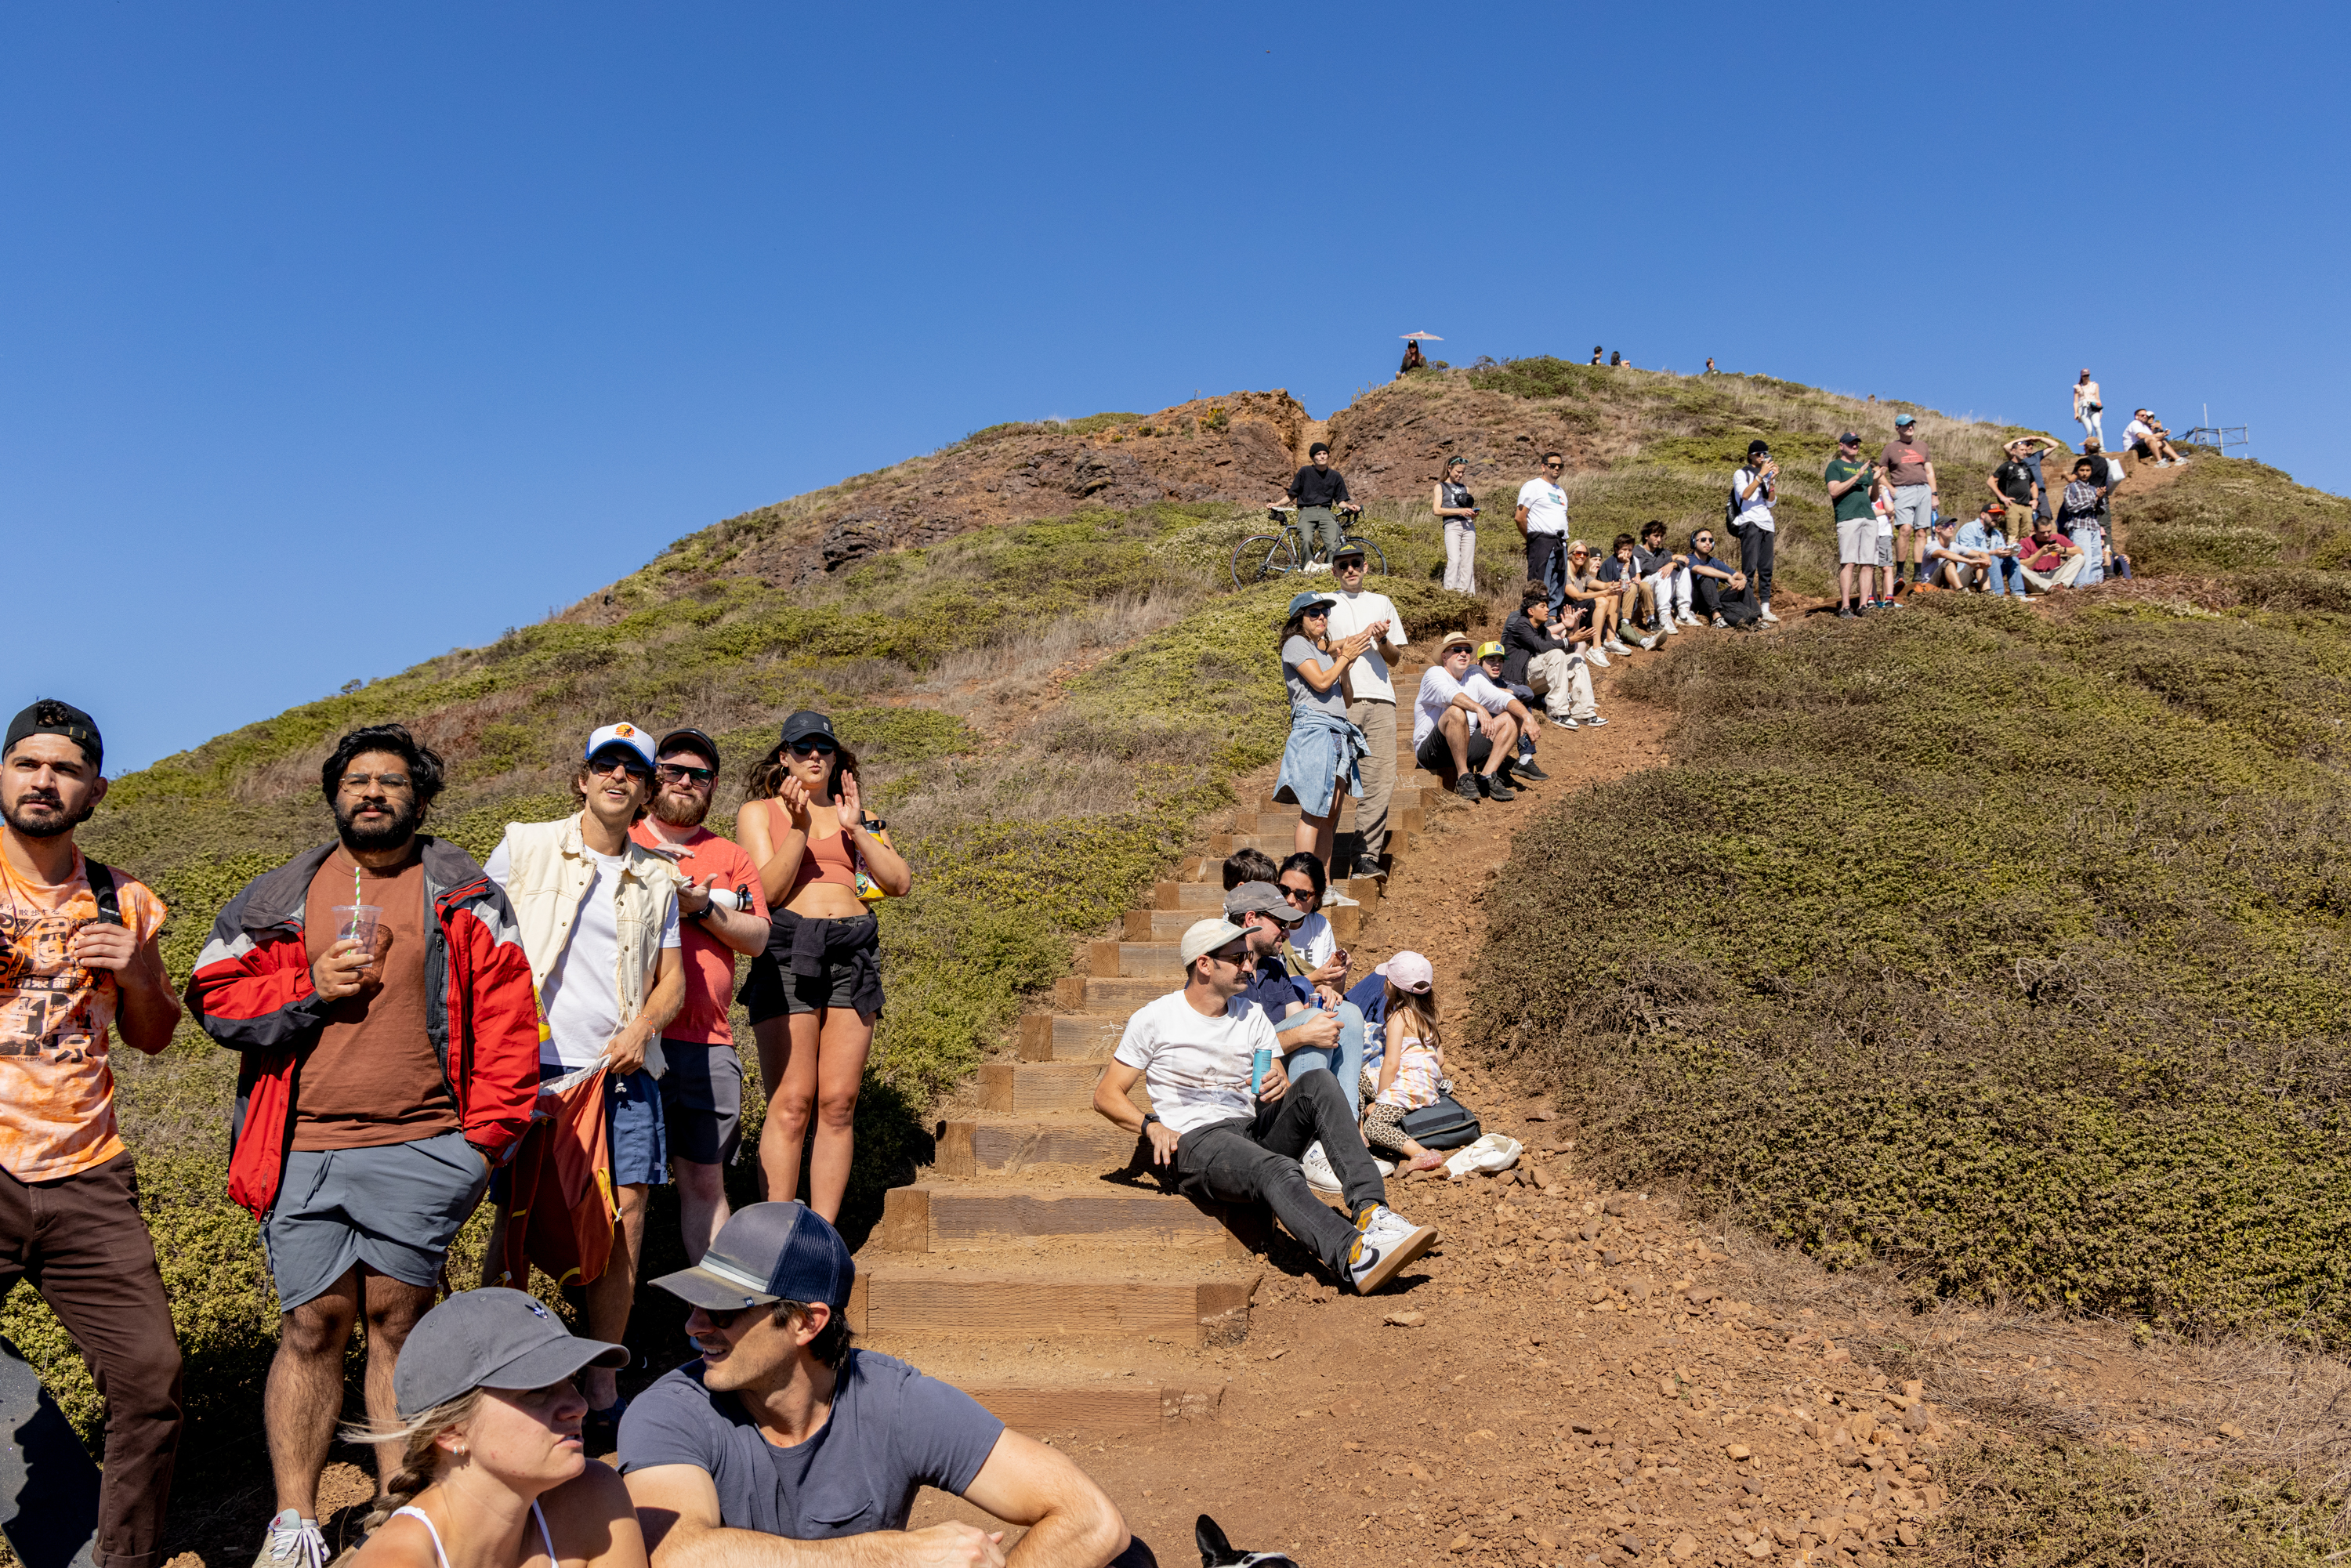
(891, 1431)
(1302, 696)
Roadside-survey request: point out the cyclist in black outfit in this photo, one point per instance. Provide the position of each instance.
(1321, 494)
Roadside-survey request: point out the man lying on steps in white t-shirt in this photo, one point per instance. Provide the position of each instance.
(1198, 1050)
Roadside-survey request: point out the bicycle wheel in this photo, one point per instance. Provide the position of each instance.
(1374, 561)
(1261, 555)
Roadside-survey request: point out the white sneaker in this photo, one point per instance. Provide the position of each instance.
(1564, 723)
(1594, 722)
(1384, 1242)
(1338, 900)
(1688, 619)
(1767, 615)
(1595, 656)
(1319, 1174)
(1616, 645)
(1385, 1167)
(1670, 629)
(292, 1542)
(1649, 642)
(1720, 624)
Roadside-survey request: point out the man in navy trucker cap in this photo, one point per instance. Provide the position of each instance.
(782, 1429)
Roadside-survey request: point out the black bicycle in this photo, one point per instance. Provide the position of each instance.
(1263, 556)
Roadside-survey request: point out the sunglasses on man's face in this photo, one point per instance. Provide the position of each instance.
(681, 773)
(1550, 465)
(598, 768)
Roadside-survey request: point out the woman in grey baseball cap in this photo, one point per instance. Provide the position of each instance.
(492, 1472)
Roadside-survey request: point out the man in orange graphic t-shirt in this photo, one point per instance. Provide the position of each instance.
(77, 959)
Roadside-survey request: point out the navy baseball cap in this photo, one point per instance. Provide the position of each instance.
(805, 722)
(489, 1338)
(689, 739)
(1305, 601)
(768, 1252)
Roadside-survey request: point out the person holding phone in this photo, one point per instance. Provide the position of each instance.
(1753, 489)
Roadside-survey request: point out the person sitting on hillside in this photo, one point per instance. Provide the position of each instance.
(1637, 596)
(1668, 575)
(2149, 442)
(1987, 537)
(488, 1398)
(1410, 1073)
(1314, 955)
(1593, 603)
(1946, 565)
(1483, 683)
(1318, 1027)
(1597, 353)
(2046, 559)
(1414, 359)
(1451, 734)
(1723, 595)
(782, 1433)
(1319, 493)
(1535, 664)
(1234, 1131)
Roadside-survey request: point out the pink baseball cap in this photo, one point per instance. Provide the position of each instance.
(1408, 971)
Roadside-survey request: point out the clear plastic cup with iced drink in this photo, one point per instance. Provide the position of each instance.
(357, 923)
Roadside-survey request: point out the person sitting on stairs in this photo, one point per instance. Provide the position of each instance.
(1233, 1124)
(1452, 734)
(782, 1433)
(1318, 1030)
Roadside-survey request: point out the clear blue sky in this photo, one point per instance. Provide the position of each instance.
(333, 336)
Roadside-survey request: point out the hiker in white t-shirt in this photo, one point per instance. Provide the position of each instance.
(1451, 731)
(1228, 1120)
(1754, 488)
(1542, 517)
(1371, 700)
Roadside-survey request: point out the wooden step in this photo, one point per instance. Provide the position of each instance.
(1137, 960)
(1110, 1405)
(897, 1295)
(1285, 820)
(1025, 1088)
(1204, 898)
(1085, 994)
(1066, 1037)
(987, 1145)
(1407, 794)
(958, 1217)
(1046, 1387)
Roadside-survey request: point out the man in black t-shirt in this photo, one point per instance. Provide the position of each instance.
(2017, 483)
(1321, 494)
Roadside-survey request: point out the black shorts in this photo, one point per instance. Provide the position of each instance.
(701, 1101)
(1435, 756)
(771, 990)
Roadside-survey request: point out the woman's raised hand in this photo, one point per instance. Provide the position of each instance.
(845, 801)
(793, 797)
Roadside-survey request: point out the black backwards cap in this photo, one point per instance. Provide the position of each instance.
(50, 717)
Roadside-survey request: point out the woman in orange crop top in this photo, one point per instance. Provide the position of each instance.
(814, 993)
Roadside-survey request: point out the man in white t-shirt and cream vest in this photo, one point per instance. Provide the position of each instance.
(1370, 699)
(598, 916)
(1229, 1118)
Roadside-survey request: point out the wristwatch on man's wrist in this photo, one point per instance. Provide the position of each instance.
(1149, 1118)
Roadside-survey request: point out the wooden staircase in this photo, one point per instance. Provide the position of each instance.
(1038, 1262)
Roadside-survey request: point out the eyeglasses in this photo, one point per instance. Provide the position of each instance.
(1578, 555)
(396, 782)
(813, 747)
(1550, 465)
(1235, 959)
(679, 773)
(630, 765)
(1297, 894)
(726, 1317)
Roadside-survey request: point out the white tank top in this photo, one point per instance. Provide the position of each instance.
(419, 1515)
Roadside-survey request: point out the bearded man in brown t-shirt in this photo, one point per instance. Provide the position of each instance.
(391, 1041)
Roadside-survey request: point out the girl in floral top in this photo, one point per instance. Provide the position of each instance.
(1410, 1073)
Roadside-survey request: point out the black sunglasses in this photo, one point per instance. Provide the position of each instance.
(679, 773)
(814, 746)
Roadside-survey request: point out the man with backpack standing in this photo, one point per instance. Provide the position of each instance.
(82, 960)
(1911, 472)
(1749, 514)
(1319, 493)
(383, 1007)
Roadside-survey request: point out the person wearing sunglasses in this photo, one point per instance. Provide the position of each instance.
(1725, 596)
(1322, 762)
(783, 1434)
(1542, 517)
(598, 912)
(388, 1066)
(814, 994)
(721, 913)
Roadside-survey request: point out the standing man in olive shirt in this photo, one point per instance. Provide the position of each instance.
(1321, 494)
(1911, 472)
(383, 1078)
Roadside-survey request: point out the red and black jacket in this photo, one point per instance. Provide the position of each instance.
(252, 992)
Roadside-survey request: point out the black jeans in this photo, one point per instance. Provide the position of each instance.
(1716, 597)
(1255, 1160)
(1755, 548)
(1547, 564)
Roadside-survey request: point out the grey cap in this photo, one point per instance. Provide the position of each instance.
(768, 1252)
(1263, 897)
(489, 1338)
(1206, 937)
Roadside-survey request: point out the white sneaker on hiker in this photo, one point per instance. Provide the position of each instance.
(1720, 624)
(1597, 657)
(1649, 642)
(1563, 722)
(1594, 722)
(1384, 1242)
(1690, 620)
(292, 1542)
(1767, 615)
(1385, 1167)
(1338, 900)
(1616, 645)
(1319, 1174)
(1669, 628)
